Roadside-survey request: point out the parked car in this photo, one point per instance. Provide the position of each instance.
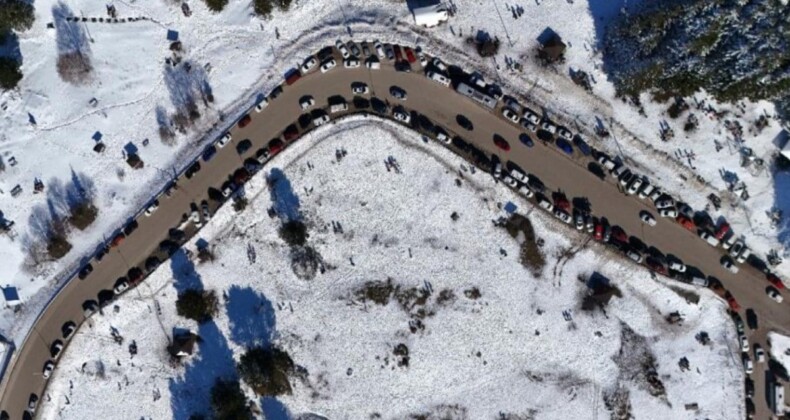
(49, 366)
(32, 403)
(525, 191)
(519, 176)
(774, 294)
(243, 147)
(442, 79)
(359, 88)
(729, 264)
(437, 62)
(744, 343)
(342, 48)
(245, 121)
(668, 212)
(544, 203)
(647, 218)
(398, 93)
(563, 145)
(749, 387)
(68, 329)
(759, 354)
(55, 349)
(775, 280)
(677, 266)
(748, 366)
(121, 285)
(309, 64)
(734, 306)
(351, 63)
(562, 215)
(634, 186)
(152, 208)
(646, 190)
(744, 255)
(751, 319)
(635, 256)
(509, 114)
(526, 140)
(260, 106)
(400, 114)
(205, 209)
(328, 65)
(85, 271)
(192, 170)
(708, 237)
(501, 143)
(464, 122)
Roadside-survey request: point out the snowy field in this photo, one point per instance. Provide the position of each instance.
(780, 348)
(50, 127)
(523, 347)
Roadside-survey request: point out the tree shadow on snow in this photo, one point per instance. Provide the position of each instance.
(186, 83)
(191, 392)
(273, 409)
(252, 318)
(604, 12)
(286, 202)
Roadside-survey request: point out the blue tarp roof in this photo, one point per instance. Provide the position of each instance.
(11, 295)
(510, 207)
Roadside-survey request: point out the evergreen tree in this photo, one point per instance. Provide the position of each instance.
(9, 73)
(266, 371)
(228, 402)
(16, 15)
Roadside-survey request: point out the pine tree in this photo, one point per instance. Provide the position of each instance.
(9, 73)
(16, 15)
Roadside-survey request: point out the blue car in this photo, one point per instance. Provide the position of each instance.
(209, 153)
(565, 146)
(582, 145)
(526, 139)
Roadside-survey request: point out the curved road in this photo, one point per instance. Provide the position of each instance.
(439, 103)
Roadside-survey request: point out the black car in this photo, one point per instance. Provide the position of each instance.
(209, 153)
(751, 319)
(102, 252)
(464, 122)
(131, 227)
(168, 246)
(379, 106)
(749, 387)
(749, 407)
(596, 170)
(276, 92)
(105, 297)
(398, 93)
(177, 235)
(151, 263)
(85, 271)
(325, 53)
(460, 144)
(192, 170)
(360, 102)
(243, 146)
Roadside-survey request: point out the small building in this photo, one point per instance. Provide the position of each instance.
(430, 16)
(783, 141)
(552, 49)
(183, 343)
(11, 296)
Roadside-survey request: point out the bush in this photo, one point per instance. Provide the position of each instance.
(199, 305)
(9, 73)
(16, 15)
(216, 5)
(58, 246)
(75, 67)
(294, 233)
(488, 48)
(266, 371)
(283, 5)
(240, 204)
(228, 402)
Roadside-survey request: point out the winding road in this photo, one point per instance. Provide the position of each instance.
(440, 104)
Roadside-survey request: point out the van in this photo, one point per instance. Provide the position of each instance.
(438, 77)
(338, 108)
(373, 65)
(709, 238)
(699, 281)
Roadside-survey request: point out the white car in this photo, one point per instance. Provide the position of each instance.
(519, 176)
(498, 170)
(56, 350)
(668, 212)
(729, 241)
(224, 140)
(48, 368)
(509, 114)
(438, 78)
(306, 102)
(351, 63)
(606, 162)
(759, 354)
(635, 256)
(402, 116)
(647, 218)
(379, 49)
(774, 294)
(677, 266)
(513, 104)
(727, 263)
(579, 220)
(564, 133)
(328, 65)
(152, 208)
(562, 215)
(665, 203)
(646, 190)
(546, 204)
(526, 191)
(634, 186)
(423, 59)
(343, 49)
(744, 343)
(309, 63)
(439, 64)
(360, 89)
(509, 181)
(655, 195)
(551, 128)
(748, 366)
(121, 287)
(373, 64)
(261, 105)
(323, 119)
(744, 255)
(709, 238)
(195, 218)
(531, 117)
(736, 248)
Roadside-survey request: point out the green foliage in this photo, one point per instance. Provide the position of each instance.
(733, 50)
(228, 402)
(283, 5)
(266, 371)
(216, 5)
(199, 305)
(294, 233)
(262, 7)
(9, 73)
(16, 15)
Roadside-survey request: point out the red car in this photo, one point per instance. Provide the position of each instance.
(501, 143)
(722, 230)
(619, 235)
(398, 55)
(291, 133)
(598, 232)
(732, 302)
(410, 55)
(656, 266)
(275, 146)
(244, 121)
(117, 239)
(686, 222)
(241, 176)
(775, 280)
(293, 77)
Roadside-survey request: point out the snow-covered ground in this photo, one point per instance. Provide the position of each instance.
(49, 126)
(780, 348)
(523, 347)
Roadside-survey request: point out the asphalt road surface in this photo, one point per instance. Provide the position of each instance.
(439, 103)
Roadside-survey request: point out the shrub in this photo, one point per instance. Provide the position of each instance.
(9, 73)
(228, 402)
(216, 5)
(488, 47)
(58, 246)
(294, 233)
(16, 15)
(74, 67)
(266, 371)
(240, 204)
(199, 305)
